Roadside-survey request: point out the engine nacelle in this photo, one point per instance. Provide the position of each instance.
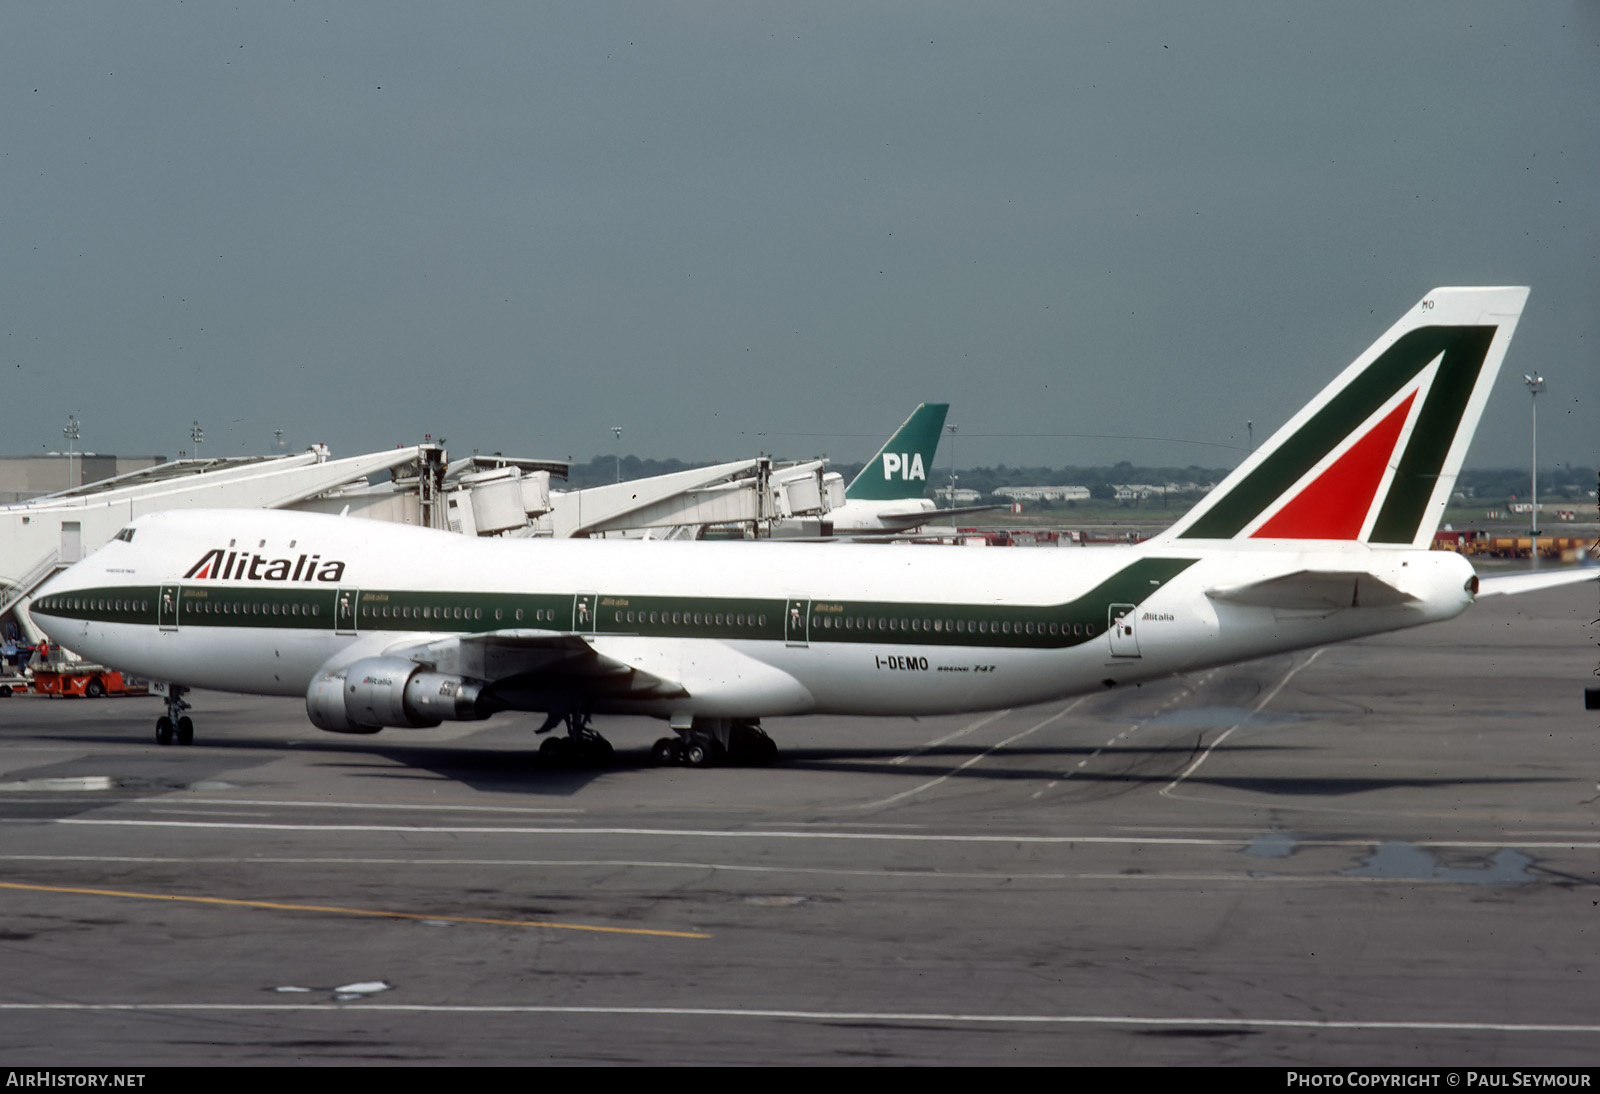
(390, 691)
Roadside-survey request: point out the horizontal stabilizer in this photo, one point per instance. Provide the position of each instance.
(1315, 589)
(912, 518)
(1511, 584)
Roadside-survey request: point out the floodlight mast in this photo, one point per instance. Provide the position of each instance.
(1535, 384)
(70, 432)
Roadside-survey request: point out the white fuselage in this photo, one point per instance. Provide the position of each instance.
(744, 629)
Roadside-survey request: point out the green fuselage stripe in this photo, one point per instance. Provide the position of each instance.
(820, 620)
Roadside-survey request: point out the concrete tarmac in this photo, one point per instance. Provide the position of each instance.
(1382, 853)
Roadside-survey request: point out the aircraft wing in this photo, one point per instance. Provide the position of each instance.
(1510, 584)
(521, 664)
(1314, 589)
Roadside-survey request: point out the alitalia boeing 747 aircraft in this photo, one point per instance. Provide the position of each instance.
(1321, 535)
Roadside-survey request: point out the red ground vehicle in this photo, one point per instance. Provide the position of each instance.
(86, 680)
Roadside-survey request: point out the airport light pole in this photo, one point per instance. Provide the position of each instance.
(617, 429)
(1535, 384)
(197, 435)
(70, 432)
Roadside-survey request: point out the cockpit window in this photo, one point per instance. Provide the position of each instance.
(126, 535)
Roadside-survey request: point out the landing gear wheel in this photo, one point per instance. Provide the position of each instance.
(702, 753)
(765, 749)
(581, 747)
(172, 724)
(94, 689)
(666, 751)
(748, 743)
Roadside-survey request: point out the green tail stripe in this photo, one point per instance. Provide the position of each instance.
(1418, 471)
(1464, 349)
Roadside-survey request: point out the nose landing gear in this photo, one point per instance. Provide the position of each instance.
(174, 725)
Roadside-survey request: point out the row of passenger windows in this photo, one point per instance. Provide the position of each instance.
(694, 619)
(392, 611)
(80, 604)
(951, 626)
(240, 607)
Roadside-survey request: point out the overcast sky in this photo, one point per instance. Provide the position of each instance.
(740, 227)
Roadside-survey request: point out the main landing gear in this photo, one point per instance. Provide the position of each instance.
(709, 741)
(174, 724)
(581, 747)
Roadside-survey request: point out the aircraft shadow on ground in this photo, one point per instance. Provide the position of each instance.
(525, 771)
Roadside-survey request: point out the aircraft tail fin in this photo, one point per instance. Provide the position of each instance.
(1374, 457)
(902, 465)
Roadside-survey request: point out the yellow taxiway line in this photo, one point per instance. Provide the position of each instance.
(336, 910)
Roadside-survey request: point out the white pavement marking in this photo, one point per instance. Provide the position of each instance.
(1194, 1021)
(931, 783)
(1160, 710)
(63, 783)
(779, 833)
(948, 737)
(1167, 790)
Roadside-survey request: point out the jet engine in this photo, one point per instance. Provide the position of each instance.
(367, 695)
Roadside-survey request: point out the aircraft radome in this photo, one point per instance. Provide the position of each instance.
(1321, 535)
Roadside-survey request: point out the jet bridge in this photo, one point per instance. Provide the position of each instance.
(753, 493)
(507, 496)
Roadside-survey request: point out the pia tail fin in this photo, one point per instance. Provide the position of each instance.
(1374, 457)
(902, 466)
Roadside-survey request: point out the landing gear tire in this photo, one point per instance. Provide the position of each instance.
(172, 725)
(585, 748)
(666, 751)
(748, 743)
(702, 753)
(94, 689)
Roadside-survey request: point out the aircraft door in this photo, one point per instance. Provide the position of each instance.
(346, 605)
(584, 606)
(797, 622)
(167, 608)
(1124, 642)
